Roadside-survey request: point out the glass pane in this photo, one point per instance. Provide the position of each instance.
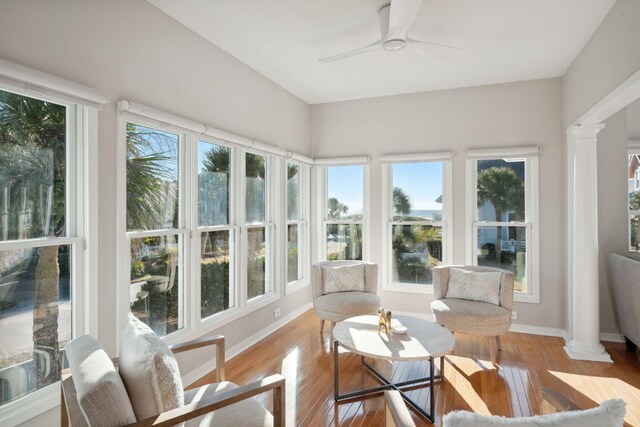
(293, 245)
(634, 237)
(344, 241)
(216, 292)
(257, 275)
(156, 288)
(416, 250)
(214, 172)
(506, 248)
(293, 192)
(501, 190)
(345, 192)
(417, 191)
(35, 318)
(152, 178)
(256, 172)
(32, 168)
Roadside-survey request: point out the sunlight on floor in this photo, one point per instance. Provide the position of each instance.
(289, 371)
(599, 389)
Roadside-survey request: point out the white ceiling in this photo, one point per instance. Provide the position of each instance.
(504, 41)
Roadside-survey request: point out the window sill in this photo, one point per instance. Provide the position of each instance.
(409, 288)
(296, 286)
(527, 298)
(30, 406)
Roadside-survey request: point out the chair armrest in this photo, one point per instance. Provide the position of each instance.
(226, 398)
(552, 401)
(396, 411)
(217, 340)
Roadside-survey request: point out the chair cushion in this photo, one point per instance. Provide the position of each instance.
(343, 278)
(609, 414)
(346, 304)
(99, 389)
(149, 371)
(474, 286)
(246, 413)
(471, 317)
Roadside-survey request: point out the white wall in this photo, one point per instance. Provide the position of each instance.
(610, 57)
(129, 49)
(515, 114)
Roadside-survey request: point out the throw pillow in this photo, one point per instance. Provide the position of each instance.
(474, 286)
(99, 388)
(609, 414)
(149, 371)
(343, 278)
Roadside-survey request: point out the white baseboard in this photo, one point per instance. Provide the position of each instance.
(538, 330)
(202, 370)
(610, 337)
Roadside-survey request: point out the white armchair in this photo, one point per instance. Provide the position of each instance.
(343, 289)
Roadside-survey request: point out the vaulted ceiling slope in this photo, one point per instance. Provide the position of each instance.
(503, 41)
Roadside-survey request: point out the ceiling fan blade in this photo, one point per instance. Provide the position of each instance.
(359, 51)
(401, 16)
(410, 40)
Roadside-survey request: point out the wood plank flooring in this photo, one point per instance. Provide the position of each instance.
(527, 362)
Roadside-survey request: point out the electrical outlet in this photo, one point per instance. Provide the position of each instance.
(514, 315)
(276, 313)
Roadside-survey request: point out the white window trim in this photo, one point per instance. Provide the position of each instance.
(530, 154)
(321, 203)
(304, 202)
(82, 105)
(387, 217)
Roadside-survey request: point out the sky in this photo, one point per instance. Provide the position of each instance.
(422, 182)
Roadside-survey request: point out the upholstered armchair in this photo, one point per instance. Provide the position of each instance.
(343, 289)
(473, 317)
(143, 387)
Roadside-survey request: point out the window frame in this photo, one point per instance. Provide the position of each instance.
(81, 230)
(304, 242)
(322, 166)
(193, 324)
(388, 222)
(530, 155)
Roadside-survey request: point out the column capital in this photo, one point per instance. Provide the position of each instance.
(584, 132)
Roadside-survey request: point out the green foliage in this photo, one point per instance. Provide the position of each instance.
(292, 264)
(336, 208)
(214, 291)
(401, 202)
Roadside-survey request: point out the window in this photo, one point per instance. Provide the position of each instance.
(344, 212)
(633, 175)
(297, 228)
(259, 230)
(40, 240)
(504, 206)
(155, 227)
(416, 201)
(217, 234)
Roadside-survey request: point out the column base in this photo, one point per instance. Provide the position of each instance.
(597, 355)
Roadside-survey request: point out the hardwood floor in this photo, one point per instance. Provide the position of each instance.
(526, 363)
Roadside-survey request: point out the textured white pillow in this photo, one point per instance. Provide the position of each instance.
(149, 371)
(343, 278)
(609, 414)
(474, 286)
(99, 389)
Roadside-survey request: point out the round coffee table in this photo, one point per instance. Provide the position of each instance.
(424, 340)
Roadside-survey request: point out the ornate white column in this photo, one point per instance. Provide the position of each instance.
(585, 320)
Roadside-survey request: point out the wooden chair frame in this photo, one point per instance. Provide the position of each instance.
(72, 414)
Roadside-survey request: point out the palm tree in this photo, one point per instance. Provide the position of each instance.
(336, 208)
(501, 186)
(401, 202)
(32, 137)
(634, 205)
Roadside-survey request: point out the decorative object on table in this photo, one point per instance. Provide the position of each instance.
(342, 289)
(399, 329)
(384, 320)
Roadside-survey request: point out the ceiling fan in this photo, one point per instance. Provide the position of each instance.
(395, 20)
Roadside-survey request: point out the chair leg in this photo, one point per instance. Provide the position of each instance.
(492, 350)
(321, 325)
(498, 343)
